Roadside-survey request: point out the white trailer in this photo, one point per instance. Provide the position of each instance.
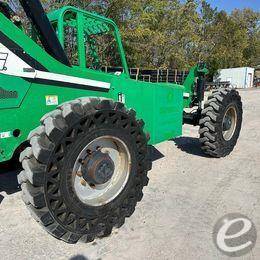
(238, 77)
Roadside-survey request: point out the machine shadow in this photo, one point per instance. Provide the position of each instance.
(190, 145)
(154, 154)
(78, 257)
(8, 177)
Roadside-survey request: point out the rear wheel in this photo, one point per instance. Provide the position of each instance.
(85, 169)
(221, 122)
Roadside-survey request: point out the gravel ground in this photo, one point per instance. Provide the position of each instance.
(187, 194)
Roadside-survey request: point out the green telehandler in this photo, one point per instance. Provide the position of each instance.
(83, 134)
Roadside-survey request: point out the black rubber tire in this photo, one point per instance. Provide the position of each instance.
(45, 180)
(211, 137)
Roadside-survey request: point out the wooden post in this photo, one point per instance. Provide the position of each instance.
(175, 78)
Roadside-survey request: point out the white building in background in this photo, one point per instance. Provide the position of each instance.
(238, 77)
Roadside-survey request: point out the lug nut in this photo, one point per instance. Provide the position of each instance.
(83, 182)
(79, 174)
(105, 151)
(81, 161)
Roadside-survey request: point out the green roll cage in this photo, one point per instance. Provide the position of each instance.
(86, 24)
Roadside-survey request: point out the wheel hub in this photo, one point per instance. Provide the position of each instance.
(227, 123)
(101, 170)
(98, 168)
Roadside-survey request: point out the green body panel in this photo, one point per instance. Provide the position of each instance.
(159, 105)
(163, 120)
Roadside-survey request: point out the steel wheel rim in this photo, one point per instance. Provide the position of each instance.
(102, 194)
(230, 120)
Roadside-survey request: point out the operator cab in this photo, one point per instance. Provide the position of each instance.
(89, 40)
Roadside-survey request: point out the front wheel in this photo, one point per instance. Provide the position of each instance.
(85, 169)
(221, 122)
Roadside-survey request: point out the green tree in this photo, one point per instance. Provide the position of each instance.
(249, 21)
